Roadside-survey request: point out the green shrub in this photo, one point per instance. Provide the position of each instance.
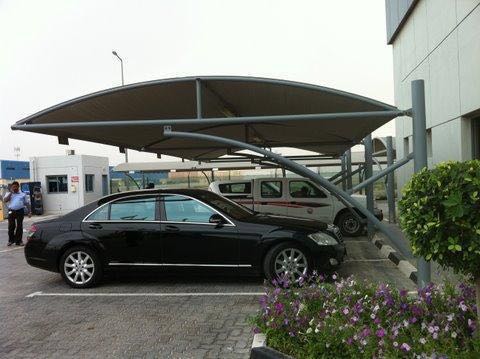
(440, 215)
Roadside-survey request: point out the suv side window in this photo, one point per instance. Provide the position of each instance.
(271, 189)
(185, 209)
(236, 188)
(304, 189)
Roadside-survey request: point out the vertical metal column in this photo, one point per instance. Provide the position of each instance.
(344, 170)
(420, 157)
(348, 156)
(390, 182)
(367, 142)
(198, 88)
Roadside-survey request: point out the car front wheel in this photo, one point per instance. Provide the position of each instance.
(286, 261)
(80, 267)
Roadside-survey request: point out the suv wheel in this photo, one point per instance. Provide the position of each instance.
(286, 260)
(349, 225)
(80, 267)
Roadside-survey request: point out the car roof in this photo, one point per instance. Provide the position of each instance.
(185, 191)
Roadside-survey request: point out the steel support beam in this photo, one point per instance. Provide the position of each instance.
(390, 182)
(336, 175)
(294, 167)
(212, 121)
(198, 93)
(420, 158)
(344, 170)
(348, 159)
(351, 175)
(367, 142)
(382, 173)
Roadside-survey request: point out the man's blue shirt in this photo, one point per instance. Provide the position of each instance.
(17, 201)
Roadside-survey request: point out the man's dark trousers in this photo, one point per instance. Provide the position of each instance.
(15, 226)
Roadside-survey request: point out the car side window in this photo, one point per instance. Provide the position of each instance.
(271, 189)
(133, 209)
(304, 189)
(101, 214)
(185, 209)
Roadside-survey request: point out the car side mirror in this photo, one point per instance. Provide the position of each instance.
(216, 219)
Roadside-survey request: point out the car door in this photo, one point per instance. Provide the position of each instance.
(189, 238)
(308, 201)
(128, 229)
(271, 197)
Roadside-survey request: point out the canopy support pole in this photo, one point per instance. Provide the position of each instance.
(294, 167)
(344, 170)
(390, 182)
(349, 167)
(420, 160)
(367, 142)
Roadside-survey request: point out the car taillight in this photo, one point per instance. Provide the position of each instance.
(31, 232)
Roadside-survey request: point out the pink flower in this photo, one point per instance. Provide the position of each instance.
(345, 311)
(405, 347)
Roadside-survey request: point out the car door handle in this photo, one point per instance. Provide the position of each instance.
(95, 226)
(170, 228)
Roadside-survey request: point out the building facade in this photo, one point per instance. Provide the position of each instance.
(69, 182)
(437, 41)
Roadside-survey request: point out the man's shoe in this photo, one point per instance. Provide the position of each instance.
(19, 244)
(9, 244)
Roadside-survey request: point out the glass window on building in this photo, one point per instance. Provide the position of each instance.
(57, 184)
(89, 180)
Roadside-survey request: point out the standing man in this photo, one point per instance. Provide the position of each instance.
(16, 201)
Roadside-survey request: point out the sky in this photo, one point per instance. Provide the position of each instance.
(53, 51)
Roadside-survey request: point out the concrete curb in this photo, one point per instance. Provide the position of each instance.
(260, 350)
(396, 258)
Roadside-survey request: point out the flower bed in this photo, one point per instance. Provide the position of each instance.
(350, 319)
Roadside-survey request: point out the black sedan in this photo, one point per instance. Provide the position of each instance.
(179, 228)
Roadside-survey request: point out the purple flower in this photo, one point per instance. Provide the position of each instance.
(345, 311)
(256, 330)
(403, 293)
(279, 308)
(377, 321)
(405, 347)
(380, 333)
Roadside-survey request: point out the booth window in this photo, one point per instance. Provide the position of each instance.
(57, 184)
(89, 179)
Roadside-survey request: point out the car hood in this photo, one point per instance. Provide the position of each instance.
(289, 223)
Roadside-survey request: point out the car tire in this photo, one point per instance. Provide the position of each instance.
(80, 267)
(280, 253)
(349, 225)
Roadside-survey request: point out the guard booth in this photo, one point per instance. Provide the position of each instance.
(204, 118)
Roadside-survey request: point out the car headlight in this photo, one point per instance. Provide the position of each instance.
(322, 239)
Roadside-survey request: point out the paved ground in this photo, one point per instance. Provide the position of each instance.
(140, 315)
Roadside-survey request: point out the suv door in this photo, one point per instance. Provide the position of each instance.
(309, 201)
(190, 239)
(271, 197)
(128, 229)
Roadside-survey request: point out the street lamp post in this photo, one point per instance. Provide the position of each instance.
(121, 68)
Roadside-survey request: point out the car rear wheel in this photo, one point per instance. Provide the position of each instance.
(80, 267)
(349, 225)
(286, 261)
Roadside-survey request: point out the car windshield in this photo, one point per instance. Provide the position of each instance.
(230, 208)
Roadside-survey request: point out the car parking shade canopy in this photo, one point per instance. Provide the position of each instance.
(265, 112)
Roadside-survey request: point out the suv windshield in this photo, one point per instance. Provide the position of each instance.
(230, 208)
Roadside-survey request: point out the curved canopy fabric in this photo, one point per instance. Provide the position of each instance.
(221, 97)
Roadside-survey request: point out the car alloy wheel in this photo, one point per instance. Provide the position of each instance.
(291, 264)
(79, 268)
(351, 225)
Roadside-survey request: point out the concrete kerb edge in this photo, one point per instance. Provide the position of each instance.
(260, 350)
(396, 258)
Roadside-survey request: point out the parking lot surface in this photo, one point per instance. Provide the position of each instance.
(142, 315)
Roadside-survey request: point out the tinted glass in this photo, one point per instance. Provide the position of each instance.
(271, 189)
(133, 209)
(57, 184)
(100, 214)
(224, 205)
(236, 188)
(184, 209)
(304, 189)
